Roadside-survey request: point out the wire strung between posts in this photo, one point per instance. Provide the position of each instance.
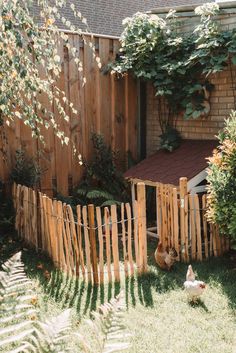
(81, 224)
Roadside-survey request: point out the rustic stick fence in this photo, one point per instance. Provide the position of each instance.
(182, 223)
(88, 241)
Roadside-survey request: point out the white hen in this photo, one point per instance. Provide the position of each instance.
(193, 287)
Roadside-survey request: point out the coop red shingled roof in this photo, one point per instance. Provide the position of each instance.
(167, 167)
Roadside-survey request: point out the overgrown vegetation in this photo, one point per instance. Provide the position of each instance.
(222, 180)
(178, 64)
(7, 212)
(103, 184)
(23, 331)
(26, 170)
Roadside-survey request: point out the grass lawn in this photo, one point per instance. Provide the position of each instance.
(158, 314)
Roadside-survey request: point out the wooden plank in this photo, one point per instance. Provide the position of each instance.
(215, 252)
(26, 211)
(42, 223)
(35, 219)
(219, 241)
(90, 97)
(74, 239)
(171, 216)
(50, 220)
(204, 220)
(115, 248)
(176, 221)
(192, 228)
(106, 95)
(92, 239)
(79, 234)
(124, 239)
(87, 244)
(136, 239)
(101, 245)
(158, 211)
(60, 225)
(108, 242)
(183, 218)
(141, 199)
(129, 222)
(132, 116)
(211, 239)
(68, 240)
(198, 227)
(75, 95)
(62, 152)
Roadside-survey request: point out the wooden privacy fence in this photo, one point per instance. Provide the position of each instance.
(182, 223)
(105, 105)
(88, 241)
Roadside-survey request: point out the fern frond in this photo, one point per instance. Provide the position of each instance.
(99, 194)
(15, 307)
(110, 202)
(107, 328)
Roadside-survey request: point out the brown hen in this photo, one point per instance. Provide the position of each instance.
(165, 258)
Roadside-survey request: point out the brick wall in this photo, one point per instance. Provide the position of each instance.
(222, 100)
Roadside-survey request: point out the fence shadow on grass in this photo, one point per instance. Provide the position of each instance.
(69, 291)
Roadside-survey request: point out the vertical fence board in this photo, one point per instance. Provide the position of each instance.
(204, 220)
(183, 220)
(68, 243)
(87, 244)
(108, 242)
(61, 254)
(198, 227)
(124, 238)
(101, 245)
(192, 228)
(74, 239)
(79, 234)
(115, 249)
(141, 198)
(92, 239)
(176, 221)
(136, 239)
(129, 226)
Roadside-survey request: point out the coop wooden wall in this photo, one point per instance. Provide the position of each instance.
(105, 105)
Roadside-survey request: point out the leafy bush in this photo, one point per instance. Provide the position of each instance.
(7, 212)
(23, 331)
(177, 64)
(102, 184)
(26, 171)
(222, 180)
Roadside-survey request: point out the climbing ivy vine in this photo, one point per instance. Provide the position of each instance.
(178, 64)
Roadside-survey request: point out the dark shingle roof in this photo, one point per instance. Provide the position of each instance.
(167, 167)
(105, 16)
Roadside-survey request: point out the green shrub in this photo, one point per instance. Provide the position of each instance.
(26, 170)
(222, 180)
(103, 184)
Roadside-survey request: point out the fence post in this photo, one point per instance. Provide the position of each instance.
(142, 231)
(92, 238)
(184, 218)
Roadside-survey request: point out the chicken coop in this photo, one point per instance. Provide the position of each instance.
(179, 180)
